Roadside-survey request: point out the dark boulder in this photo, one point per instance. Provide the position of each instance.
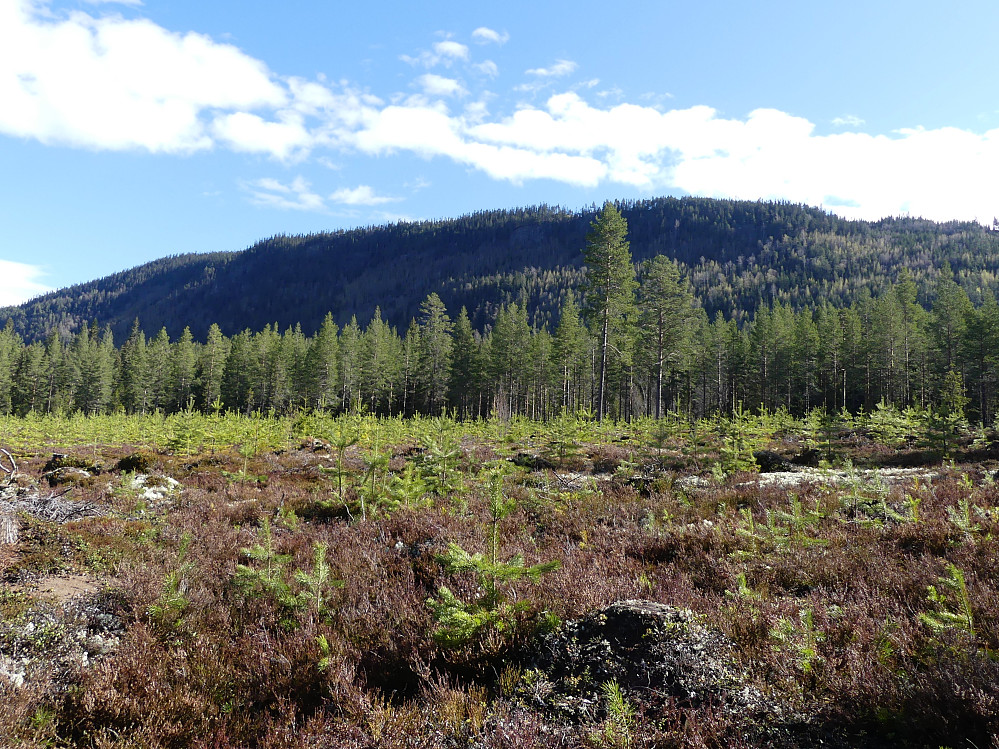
(658, 655)
(532, 462)
(809, 457)
(770, 462)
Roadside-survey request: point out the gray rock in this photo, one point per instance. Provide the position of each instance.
(657, 654)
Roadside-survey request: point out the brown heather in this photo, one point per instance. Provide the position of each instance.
(822, 605)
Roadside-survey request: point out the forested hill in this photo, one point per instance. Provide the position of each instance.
(735, 254)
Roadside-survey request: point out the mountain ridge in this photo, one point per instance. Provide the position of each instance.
(736, 254)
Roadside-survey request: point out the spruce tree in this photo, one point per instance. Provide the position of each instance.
(211, 364)
(435, 350)
(569, 352)
(183, 365)
(466, 368)
(28, 380)
(131, 389)
(321, 366)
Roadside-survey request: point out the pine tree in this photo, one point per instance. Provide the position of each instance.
(665, 318)
(609, 286)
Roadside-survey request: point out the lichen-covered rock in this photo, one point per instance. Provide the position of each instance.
(154, 488)
(657, 654)
(60, 638)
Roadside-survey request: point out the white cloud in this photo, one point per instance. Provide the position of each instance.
(430, 131)
(559, 69)
(438, 85)
(106, 82)
(111, 83)
(297, 196)
(361, 195)
(243, 131)
(487, 67)
(18, 282)
(451, 50)
(444, 53)
(484, 35)
(848, 120)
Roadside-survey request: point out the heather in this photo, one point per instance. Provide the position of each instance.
(222, 580)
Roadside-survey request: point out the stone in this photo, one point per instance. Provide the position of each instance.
(656, 653)
(770, 462)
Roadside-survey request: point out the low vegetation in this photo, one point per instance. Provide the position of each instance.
(230, 581)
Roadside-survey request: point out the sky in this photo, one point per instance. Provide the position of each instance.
(132, 130)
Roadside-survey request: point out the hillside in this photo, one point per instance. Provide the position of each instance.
(736, 255)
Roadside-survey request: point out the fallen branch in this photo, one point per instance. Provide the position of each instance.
(9, 471)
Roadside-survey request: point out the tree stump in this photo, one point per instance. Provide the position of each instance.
(8, 529)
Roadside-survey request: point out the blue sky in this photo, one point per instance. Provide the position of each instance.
(133, 130)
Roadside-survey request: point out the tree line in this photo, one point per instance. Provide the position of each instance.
(637, 341)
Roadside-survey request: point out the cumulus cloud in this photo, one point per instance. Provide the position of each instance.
(244, 131)
(451, 50)
(559, 69)
(438, 85)
(485, 35)
(112, 83)
(19, 282)
(361, 195)
(106, 82)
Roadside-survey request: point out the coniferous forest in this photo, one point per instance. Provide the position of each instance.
(829, 314)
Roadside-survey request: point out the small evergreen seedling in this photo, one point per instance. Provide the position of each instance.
(318, 585)
(268, 578)
(951, 602)
(619, 727)
(172, 602)
(459, 622)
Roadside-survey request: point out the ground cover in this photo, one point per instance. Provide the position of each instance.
(221, 580)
